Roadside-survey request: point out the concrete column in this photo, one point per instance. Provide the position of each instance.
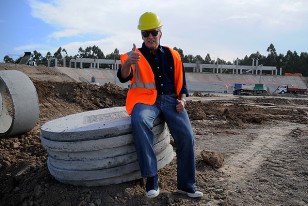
(257, 66)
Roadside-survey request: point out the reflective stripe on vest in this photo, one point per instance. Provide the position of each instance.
(139, 83)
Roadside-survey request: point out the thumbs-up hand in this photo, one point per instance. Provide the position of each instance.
(134, 47)
(134, 56)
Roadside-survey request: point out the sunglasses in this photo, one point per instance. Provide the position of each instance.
(147, 33)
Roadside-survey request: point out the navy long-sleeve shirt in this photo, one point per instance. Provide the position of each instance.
(162, 65)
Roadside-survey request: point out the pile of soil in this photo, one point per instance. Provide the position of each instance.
(263, 141)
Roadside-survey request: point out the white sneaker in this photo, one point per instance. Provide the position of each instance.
(152, 193)
(196, 194)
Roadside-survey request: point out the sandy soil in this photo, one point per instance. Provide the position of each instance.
(264, 142)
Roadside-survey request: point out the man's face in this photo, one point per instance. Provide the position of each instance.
(151, 38)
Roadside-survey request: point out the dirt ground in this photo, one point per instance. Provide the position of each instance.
(264, 142)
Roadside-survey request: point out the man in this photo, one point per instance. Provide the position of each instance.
(158, 87)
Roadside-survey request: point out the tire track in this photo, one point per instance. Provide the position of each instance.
(241, 166)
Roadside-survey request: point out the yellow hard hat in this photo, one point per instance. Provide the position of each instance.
(148, 21)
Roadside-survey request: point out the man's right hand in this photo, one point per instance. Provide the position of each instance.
(134, 56)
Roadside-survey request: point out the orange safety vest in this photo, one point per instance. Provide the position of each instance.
(142, 86)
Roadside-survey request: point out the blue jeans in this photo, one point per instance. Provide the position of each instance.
(142, 119)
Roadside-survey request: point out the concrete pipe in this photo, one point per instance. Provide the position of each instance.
(19, 107)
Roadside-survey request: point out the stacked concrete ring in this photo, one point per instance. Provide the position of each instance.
(96, 147)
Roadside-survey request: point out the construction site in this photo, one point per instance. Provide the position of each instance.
(251, 146)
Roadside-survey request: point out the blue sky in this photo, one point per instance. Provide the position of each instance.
(225, 29)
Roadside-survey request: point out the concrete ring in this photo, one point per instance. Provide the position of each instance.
(98, 162)
(77, 175)
(19, 107)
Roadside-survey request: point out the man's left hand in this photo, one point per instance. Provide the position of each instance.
(180, 105)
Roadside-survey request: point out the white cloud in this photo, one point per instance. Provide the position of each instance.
(223, 28)
(65, 33)
(121, 42)
(29, 47)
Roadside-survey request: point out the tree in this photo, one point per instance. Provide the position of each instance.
(303, 58)
(58, 54)
(207, 59)
(8, 59)
(88, 53)
(290, 62)
(116, 53)
(189, 58)
(271, 59)
(80, 53)
(64, 52)
(256, 55)
(280, 61)
(180, 52)
(245, 61)
(271, 49)
(220, 61)
(44, 60)
(257, 58)
(36, 57)
(98, 52)
(199, 59)
(91, 52)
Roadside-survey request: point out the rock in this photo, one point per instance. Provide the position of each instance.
(212, 158)
(83, 203)
(38, 191)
